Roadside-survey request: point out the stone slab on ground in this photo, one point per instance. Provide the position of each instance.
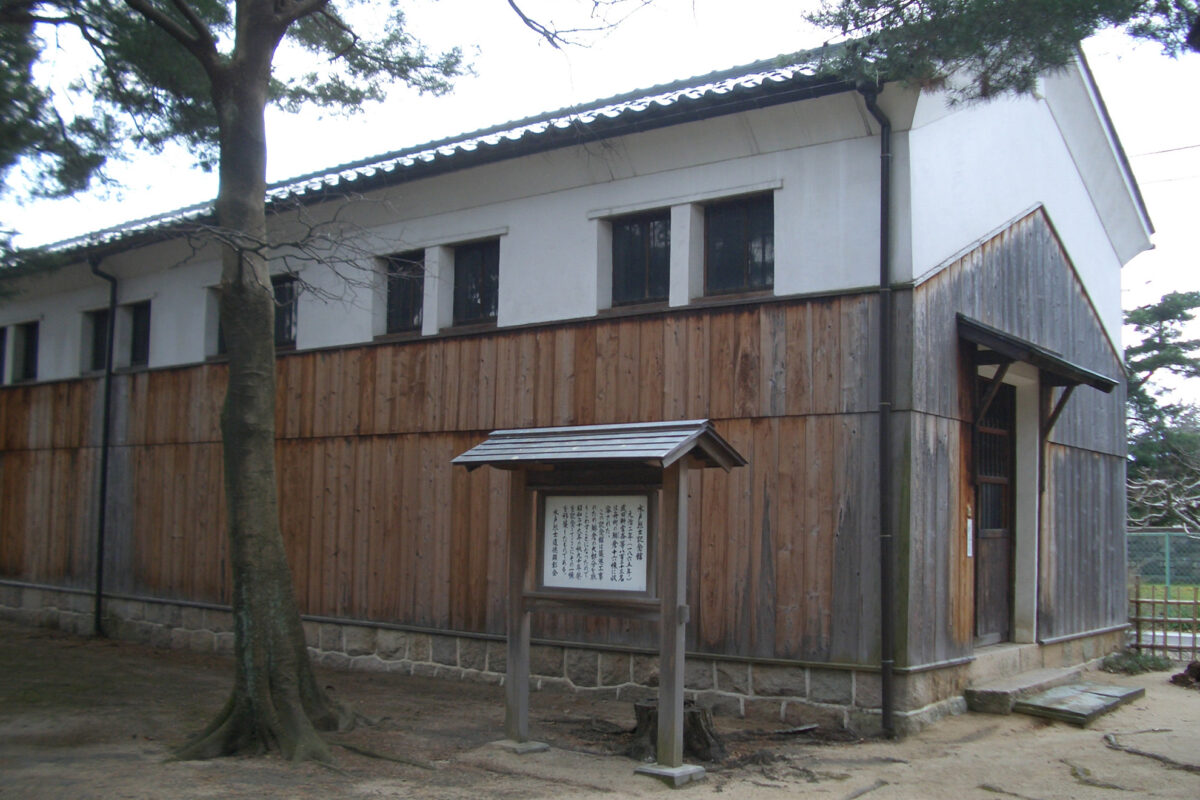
(999, 696)
(1077, 703)
(674, 777)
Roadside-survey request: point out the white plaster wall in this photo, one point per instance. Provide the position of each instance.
(59, 314)
(1074, 100)
(59, 301)
(178, 310)
(333, 310)
(545, 208)
(976, 169)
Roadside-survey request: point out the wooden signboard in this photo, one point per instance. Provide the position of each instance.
(604, 510)
(595, 542)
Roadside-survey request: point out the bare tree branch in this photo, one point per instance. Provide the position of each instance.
(553, 37)
(560, 37)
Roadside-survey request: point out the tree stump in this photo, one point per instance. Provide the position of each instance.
(700, 738)
(1189, 678)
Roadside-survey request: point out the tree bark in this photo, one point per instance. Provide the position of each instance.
(276, 702)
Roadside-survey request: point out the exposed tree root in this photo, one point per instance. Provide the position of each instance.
(237, 730)
(558, 780)
(1111, 740)
(879, 784)
(1084, 776)
(363, 751)
(272, 713)
(990, 787)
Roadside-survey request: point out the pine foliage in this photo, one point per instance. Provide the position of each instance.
(1164, 435)
(140, 79)
(990, 46)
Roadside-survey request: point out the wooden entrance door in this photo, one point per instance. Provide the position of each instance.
(994, 517)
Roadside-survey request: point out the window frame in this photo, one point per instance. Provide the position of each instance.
(97, 321)
(746, 207)
(626, 273)
(404, 282)
(286, 308)
(139, 334)
(25, 352)
(488, 268)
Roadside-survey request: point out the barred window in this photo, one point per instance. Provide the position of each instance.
(739, 245)
(476, 281)
(25, 352)
(285, 288)
(139, 334)
(641, 255)
(405, 291)
(97, 338)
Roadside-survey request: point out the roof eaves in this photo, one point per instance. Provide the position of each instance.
(763, 83)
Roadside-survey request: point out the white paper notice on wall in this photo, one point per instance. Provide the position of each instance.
(970, 538)
(595, 542)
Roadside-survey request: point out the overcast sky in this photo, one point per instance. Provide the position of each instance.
(1151, 98)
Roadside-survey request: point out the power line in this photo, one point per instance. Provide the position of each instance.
(1167, 150)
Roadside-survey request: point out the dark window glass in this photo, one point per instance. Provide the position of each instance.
(405, 291)
(26, 366)
(739, 245)
(285, 310)
(139, 338)
(476, 281)
(641, 253)
(3, 350)
(99, 324)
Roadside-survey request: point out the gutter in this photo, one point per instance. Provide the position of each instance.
(887, 579)
(105, 437)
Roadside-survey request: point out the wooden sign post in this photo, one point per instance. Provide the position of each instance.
(673, 618)
(516, 689)
(588, 533)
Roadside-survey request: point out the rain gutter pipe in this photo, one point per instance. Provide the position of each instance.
(887, 581)
(105, 436)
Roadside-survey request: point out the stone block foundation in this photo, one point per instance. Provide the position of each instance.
(774, 693)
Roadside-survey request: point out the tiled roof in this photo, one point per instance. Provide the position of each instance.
(762, 83)
(658, 443)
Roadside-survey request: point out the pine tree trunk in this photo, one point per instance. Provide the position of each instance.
(276, 702)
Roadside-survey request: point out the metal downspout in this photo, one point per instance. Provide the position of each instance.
(105, 433)
(887, 580)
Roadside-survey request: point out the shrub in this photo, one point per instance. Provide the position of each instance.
(1133, 662)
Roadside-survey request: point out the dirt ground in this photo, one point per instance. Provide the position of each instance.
(85, 718)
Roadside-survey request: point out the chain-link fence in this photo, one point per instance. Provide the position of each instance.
(1164, 593)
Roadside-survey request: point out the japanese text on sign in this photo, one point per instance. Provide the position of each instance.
(595, 542)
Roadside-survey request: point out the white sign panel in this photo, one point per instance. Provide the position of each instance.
(595, 542)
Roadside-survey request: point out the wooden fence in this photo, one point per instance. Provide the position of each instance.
(379, 526)
(1165, 623)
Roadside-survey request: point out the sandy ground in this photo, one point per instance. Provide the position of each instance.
(85, 718)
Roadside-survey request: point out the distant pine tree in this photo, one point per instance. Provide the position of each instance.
(1164, 436)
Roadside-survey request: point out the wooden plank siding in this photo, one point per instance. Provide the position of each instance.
(379, 526)
(1021, 282)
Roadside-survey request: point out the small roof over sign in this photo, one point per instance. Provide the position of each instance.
(656, 443)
